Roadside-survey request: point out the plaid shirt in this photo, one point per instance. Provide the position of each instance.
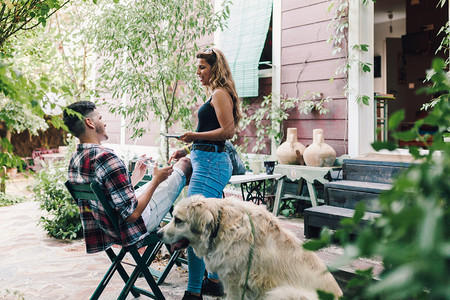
(93, 162)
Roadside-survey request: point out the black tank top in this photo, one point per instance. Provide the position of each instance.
(207, 121)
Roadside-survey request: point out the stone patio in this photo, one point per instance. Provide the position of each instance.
(35, 266)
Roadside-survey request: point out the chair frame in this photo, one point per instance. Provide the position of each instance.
(94, 191)
(175, 255)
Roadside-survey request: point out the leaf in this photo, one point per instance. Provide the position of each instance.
(395, 119)
(438, 64)
(409, 135)
(359, 212)
(314, 245)
(379, 145)
(324, 295)
(364, 47)
(365, 100)
(366, 68)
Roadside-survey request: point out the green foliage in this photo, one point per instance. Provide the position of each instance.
(17, 119)
(445, 43)
(339, 40)
(59, 56)
(21, 15)
(268, 118)
(7, 294)
(62, 219)
(412, 236)
(37, 65)
(289, 207)
(364, 99)
(148, 50)
(8, 199)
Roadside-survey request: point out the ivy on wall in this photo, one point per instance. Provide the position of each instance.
(339, 39)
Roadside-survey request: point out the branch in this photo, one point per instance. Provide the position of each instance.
(60, 47)
(67, 1)
(162, 81)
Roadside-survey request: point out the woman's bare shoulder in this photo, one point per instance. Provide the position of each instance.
(221, 96)
(221, 92)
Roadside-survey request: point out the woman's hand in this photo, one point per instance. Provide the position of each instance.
(188, 137)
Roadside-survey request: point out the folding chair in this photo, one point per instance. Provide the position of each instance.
(94, 192)
(174, 256)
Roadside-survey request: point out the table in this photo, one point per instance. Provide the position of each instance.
(296, 173)
(254, 185)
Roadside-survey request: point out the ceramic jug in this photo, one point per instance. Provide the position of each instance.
(319, 154)
(291, 151)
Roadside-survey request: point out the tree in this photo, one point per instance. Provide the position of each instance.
(61, 53)
(148, 58)
(21, 15)
(35, 64)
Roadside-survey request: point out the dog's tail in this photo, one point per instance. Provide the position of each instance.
(291, 293)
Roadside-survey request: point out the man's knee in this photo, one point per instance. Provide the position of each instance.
(184, 164)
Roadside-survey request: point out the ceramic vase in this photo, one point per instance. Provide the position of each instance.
(319, 153)
(291, 151)
(255, 165)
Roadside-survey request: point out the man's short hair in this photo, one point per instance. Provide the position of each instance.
(73, 121)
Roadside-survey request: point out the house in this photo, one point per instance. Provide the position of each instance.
(396, 39)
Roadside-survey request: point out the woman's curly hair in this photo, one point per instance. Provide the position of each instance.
(221, 77)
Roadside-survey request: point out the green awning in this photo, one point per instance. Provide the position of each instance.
(243, 41)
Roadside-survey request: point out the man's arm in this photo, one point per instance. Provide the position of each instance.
(159, 175)
(114, 176)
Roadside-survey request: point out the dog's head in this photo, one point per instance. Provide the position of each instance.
(194, 220)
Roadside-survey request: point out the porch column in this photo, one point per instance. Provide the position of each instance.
(360, 116)
(276, 62)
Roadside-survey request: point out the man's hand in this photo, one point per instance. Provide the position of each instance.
(159, 175)
(140, 169)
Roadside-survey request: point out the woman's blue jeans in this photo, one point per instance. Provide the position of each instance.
(211, 172)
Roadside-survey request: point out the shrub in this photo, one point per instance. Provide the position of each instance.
(63, 218)
(8, 199)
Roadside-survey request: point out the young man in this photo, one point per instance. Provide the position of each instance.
(141, 211)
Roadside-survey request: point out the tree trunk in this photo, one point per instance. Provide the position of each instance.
(165, 143)
(3, 179)
(3, 173)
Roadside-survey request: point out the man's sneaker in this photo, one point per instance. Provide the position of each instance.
(189, 296)
(212, 288)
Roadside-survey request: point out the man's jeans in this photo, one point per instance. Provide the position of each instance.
(162, 199)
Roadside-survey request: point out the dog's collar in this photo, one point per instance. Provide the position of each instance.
(216, 229)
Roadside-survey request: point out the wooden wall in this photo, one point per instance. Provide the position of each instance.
(307, 65)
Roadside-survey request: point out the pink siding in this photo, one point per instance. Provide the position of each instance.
(335, 90)
(311, 33)
(317, 51)
(295, 4)
(314, 13)
(307, 65)
(337, 108)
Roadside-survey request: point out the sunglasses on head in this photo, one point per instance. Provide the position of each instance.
(211, 50)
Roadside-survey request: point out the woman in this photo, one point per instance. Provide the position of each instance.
(211, 165)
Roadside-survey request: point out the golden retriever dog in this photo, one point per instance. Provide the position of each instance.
(223, 232)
